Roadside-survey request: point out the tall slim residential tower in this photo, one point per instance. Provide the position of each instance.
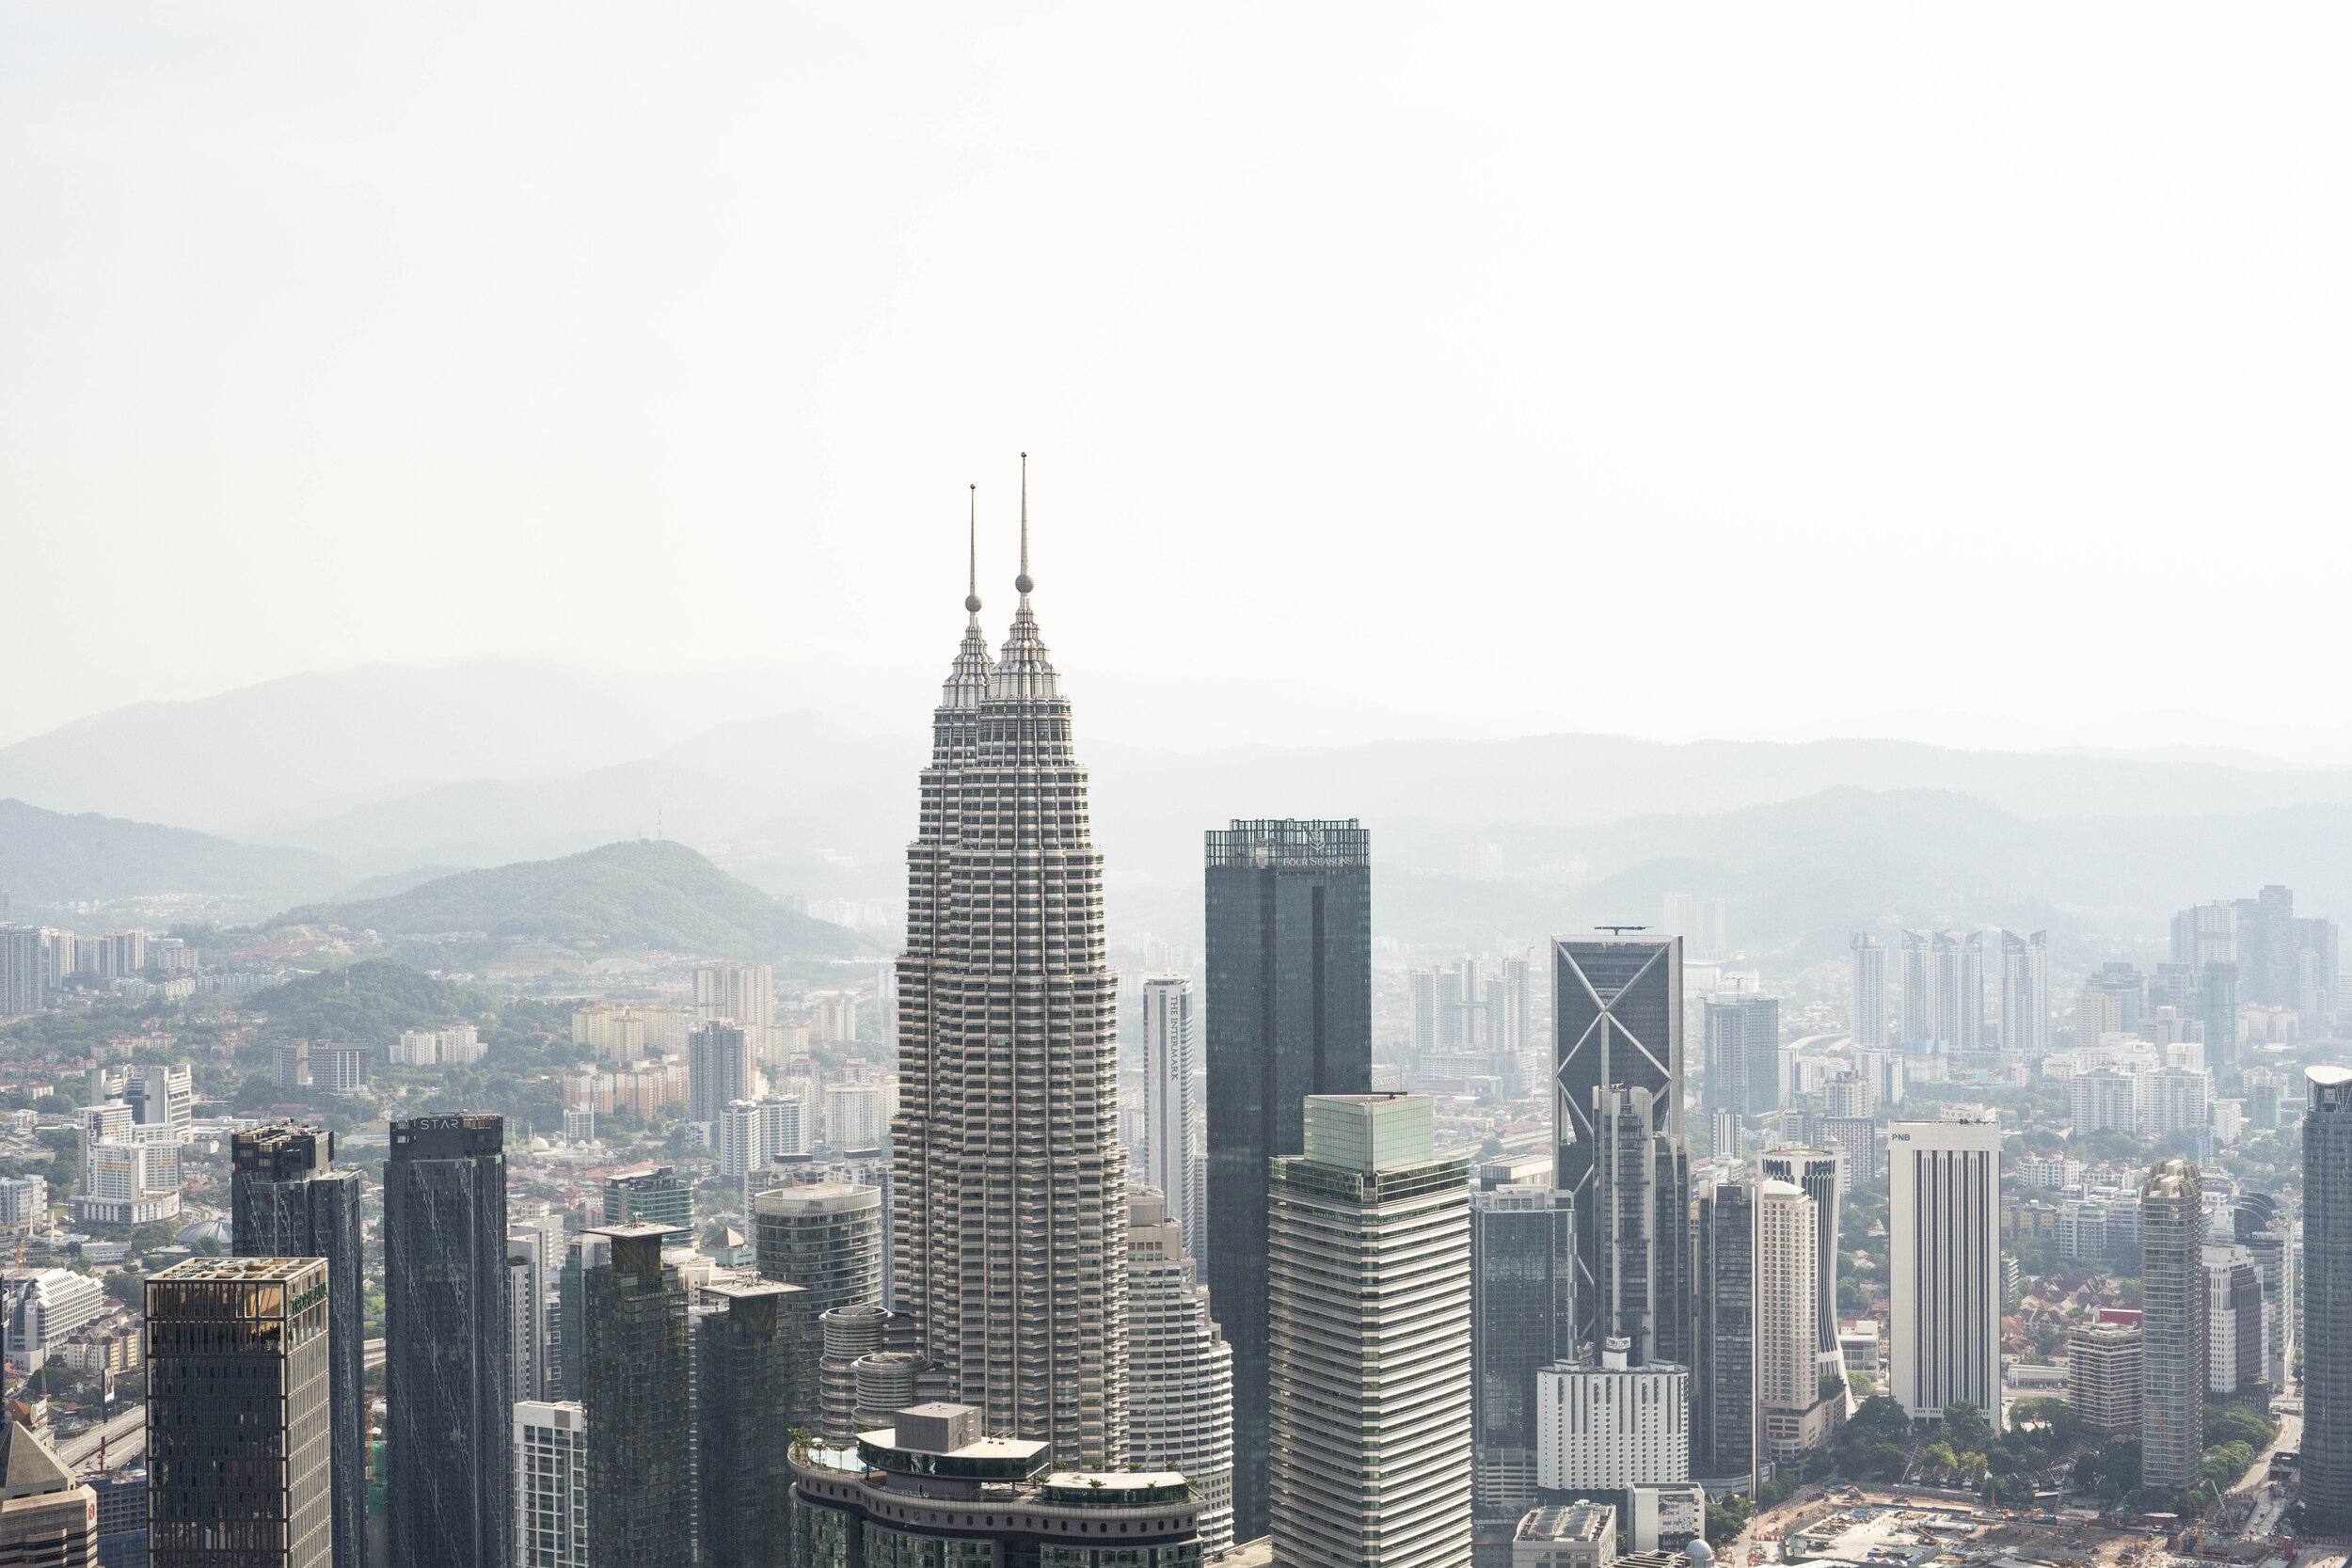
(1289, 1015)
(1918, 995)
(285, 1202)
(826, 1238)
(1180, 1370)
(551, 1484)
(1010, 1180)
(1944, 1213)
(1642, 1189)
(1788, 1292)
(2025, 995)
(1617, 1021)
(238, 1418)
(1370, 1448)
(1522, 1319)
(1815, 1171)
(2327, 1334)
(640, 1473)
(718, 1069)
(2173, 1368)
(1744, 1055)
(1722, 1389)
(1174, 1156)
(449, 1424)
(736, 992)
(1866, 1009)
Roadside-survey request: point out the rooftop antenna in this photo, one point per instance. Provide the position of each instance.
(1620, 930)
(1022, 583)
(971, 582)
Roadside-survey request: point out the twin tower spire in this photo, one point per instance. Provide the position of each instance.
(1024, 670)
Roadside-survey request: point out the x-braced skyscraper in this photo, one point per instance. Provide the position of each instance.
(1011, 1182)
(1617, 1009)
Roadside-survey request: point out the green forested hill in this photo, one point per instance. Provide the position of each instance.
(634, 894)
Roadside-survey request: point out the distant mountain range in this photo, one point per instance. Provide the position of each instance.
(638, 894)
(509, 762)
(48, 859)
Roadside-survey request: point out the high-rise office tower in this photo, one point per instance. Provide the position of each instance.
(2328, 1297)
(286, 1202)
(1174, 1158)
(2172, 1276)
(448, 1422)
(528, 1319)
(2267, 1230)
(1370, 1443)
(751, 1357)
(736, 992)
(1788, 1336)
(162, 1097)
(1866, 1006)
(1473, 1003)
(1289, 1015)
(581, 1253)
(1618, 1022)
(1742, 1055)
(649, 1193)
(1640, 1187)
(551, 1484)
(718, 1069)
(825, 1238)
(639, 1399)
(1723, 1391)
(2234, 1361)
(1522, 1319)
(1010, 1181)
(47, 1516)
(1944, 1215)
(2206, 933)
(2218, 1002)
(1710, 932)
(1180, 1370)
(2026, 995)
(1815, 1171)
(239, 1423)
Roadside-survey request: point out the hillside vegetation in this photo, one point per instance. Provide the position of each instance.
(49, 858)
(636, 894)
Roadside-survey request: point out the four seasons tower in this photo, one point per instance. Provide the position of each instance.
(1009, 1181)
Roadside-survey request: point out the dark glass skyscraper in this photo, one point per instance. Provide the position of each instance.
(1722, 1381)
(287, 1203)
(1287, 1014)
(639, 1393)
(750, 1350)
(2328, 1298)
(1522, 1319)
(239, 1448)
(1617, 1010)
(449, 1428)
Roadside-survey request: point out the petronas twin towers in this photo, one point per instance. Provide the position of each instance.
(1009, 1182)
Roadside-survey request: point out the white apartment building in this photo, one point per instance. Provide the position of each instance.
(782, 1127)
(24, 1200)
(2170, 1100)
(735, 992)
(853, 1117)
(1943, 1218)
(132, 1179)
(1615, 1426)
(737, 1133)
(530, 1251)
(1173, 1145)
(46, 1308)
(551, 1484)
(1376, 1467)
(2048, 1170)
(1180, 1370)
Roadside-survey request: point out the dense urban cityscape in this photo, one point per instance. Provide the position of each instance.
(1669, 895)
(965, 1256)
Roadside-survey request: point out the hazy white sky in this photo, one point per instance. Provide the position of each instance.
(1759, 370)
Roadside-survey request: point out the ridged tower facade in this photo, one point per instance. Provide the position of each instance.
(1009, 1182)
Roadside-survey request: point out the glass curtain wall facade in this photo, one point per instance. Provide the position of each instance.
(2328, 1298)
(1522, 1319)
(640, 1404)
(1723, 1393)
(448, 1428)
(1288, 1015)
(285, 1202)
